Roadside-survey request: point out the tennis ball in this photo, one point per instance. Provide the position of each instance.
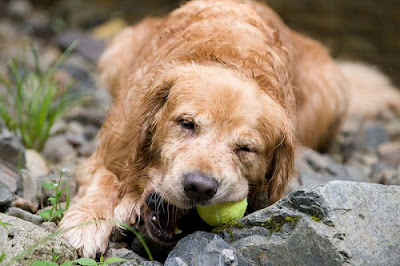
(222, 213)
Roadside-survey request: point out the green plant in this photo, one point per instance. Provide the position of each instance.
(56, 212)
(4, 224)
(81, 261)
(2, 256)
(32, 100)
(140, 237)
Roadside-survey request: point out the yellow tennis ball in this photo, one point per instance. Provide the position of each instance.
(222, 213)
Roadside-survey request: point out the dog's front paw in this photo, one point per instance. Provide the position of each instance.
(127, 211)
(87, 235)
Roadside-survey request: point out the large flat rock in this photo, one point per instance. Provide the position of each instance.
(30, 243)
(339, 223)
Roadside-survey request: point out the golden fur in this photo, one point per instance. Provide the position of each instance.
(253, 88)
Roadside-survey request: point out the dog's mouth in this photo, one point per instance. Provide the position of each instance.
(166, 224)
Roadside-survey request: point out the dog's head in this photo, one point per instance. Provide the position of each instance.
(212, 135)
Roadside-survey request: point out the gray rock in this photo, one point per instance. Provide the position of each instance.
(9, 177)
(385, 174)
(75, 140)
(30, 243)
(25, 204)
(88, 47)
(33, 186)
(389, 153)
(315, 168)
(91, 115)
(24, 215)
(352, 125)
(20, 8)
(49, 226)
(393, 129)
(6, 196)
(358, 172)
(374, 135)
(132, 257)
(340, 223)
(201, 248)
(141, 263)
(312, 179)
(57, 149)
(35, 163)
(87, 148)
(12, 151)
(362, 158)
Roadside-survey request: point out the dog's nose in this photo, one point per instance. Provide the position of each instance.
(199, 187)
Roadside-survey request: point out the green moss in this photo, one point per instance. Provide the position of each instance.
(292, 219)
(228, 228)
(315, 218)
(275, 225)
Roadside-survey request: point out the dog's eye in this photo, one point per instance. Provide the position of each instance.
(186, 124)
(244, 149)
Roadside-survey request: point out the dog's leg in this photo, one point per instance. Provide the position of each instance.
(88, 223)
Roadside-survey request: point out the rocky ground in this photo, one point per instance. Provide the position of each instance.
(353, 221)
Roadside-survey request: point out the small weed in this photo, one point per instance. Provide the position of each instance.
(32, 100)
(60, 188)
(81, 261)
(140, 237)
(4, 224)
(2, 256)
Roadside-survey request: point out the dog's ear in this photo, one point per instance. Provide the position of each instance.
(281, 167)
(152, 105)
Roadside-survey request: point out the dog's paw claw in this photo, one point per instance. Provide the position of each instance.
(87, 237)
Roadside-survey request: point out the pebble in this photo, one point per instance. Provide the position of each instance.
(20, 8)
(24, 215)
(368, 159)
(35, 163)
(89, 47)
(109, 28)
(383, 174)
(58, 149)
(389, 153)
(12, 151)
(75, 140)
(87, 148)
(393, 129)
(49, 226)
(375, 135)
(6, 196)
(25, 204)
(30, 190)
(8, 177)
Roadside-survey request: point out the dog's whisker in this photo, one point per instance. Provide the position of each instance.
(167, 215)
(159, 202)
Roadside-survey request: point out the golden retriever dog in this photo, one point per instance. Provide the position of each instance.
(209, 105)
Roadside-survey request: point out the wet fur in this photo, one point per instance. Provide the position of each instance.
(243, 75)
